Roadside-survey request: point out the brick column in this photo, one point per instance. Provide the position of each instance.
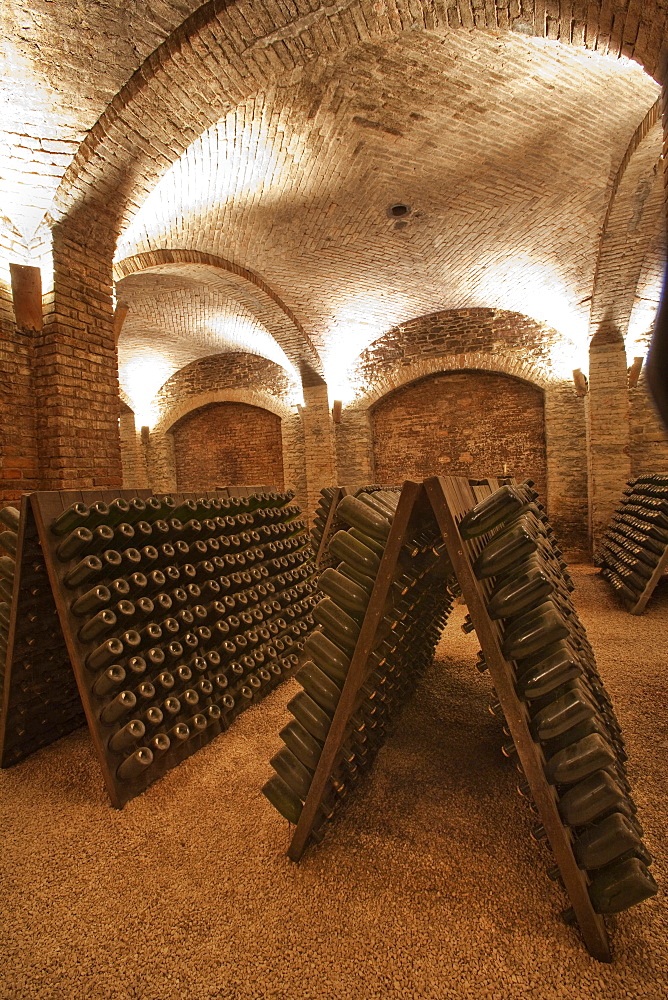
(76, 371)
(354, 446)
(566, 452)
(161, 462)
(19, 471)
(607, 427)
(319, 446)
(294, 469)
(133, 457)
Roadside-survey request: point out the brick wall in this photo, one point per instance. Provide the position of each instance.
(18, 447)
(649, 438)
(228, 444)
(460, 424)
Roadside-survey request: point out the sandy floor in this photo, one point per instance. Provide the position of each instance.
(428, 886)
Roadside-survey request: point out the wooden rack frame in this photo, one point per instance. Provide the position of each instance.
(660, 569)
(448, 500)
(451, 499)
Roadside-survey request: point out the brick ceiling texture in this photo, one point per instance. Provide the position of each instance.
(257, 216)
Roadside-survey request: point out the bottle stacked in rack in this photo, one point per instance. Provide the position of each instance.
(571, 716)
(184, 613)
(637, 538)
(327, 497)
(415, 613)
(9, 526)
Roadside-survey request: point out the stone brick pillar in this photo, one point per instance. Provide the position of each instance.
(75, 366)
(566, 452)
(133, 457)
(319, 445)
(354, 446)
(294, 468)
(607, 427)
(161, 462)
(19, 327)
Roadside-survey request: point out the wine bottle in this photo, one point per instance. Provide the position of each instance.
(621, 885)
(8, 541)
(520, 594)
(557, 667)
(592, 798)
(491, 511)
(107, 682)
(91, 602)
(10, 517)
(344, 592)
(283, 799)
(355, 553)
(319, 687)
(123, 703)
(105, 654)
(545, 628)
(73, 517)
(579, 760)
(562, 714)
(605, 842)
(310, 715)
(359, 515)
(124, 738)
(327, 656)
(96, 627)
(134, 766)
(302, 744)
(292, 771)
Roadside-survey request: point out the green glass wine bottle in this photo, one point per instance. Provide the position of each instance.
(605, 841)
(579, 760)
(339, 626)
(134, 766)
(302, 744)
(359, 515)
(344, 592)
(283, 799)
(621, 886)
(355, 553)
(562, 714)
(328, 656)
(545, 628)
(310, 715)
(10, 517)
(319, 687)
(593, 798)
(519, 595)
(491, 511)
(292, 771)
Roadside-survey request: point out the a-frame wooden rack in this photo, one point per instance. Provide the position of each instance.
(448, 500)
(48, 689)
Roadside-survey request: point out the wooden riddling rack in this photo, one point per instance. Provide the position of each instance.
(412, 517)
(49, 691)
(634, 553)
(445, 501)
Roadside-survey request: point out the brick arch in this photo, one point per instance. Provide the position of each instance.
(404, 375)
(275, 315)
(249, 397)
(154, 117)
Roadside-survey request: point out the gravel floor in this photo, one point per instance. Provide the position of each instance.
(428, 886)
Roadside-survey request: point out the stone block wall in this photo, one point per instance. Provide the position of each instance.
(228, 444)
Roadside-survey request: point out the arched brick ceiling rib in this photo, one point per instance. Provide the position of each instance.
(203, 273)
(633, 221)
(241, 46)
(504, 147)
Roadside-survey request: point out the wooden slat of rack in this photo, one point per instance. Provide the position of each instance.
(40, 699)
(357, 669)
(450, 499)
(337, 496)
(661, 568)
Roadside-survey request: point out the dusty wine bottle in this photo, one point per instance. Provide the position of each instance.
(355, 553)
(124, 702)
(292, 771)
(319, 687)
(579, 760)
(591, 799)
(565, 712)
(605, 842)
(622, 885)
(328, 656)
(310, 715)
(134, 766)
(123, 739)
(107, 682)
(75, 516)
(104, 655)
(359, 515)
(10, 517)
(344, 592)
(283, 799)
(491, 511)
(302, 744)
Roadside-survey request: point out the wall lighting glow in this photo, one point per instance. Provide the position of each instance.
(140, 379)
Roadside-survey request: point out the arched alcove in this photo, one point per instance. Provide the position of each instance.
(229, 443)
(460, 423)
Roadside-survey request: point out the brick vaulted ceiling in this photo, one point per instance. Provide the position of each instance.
(505, 147)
